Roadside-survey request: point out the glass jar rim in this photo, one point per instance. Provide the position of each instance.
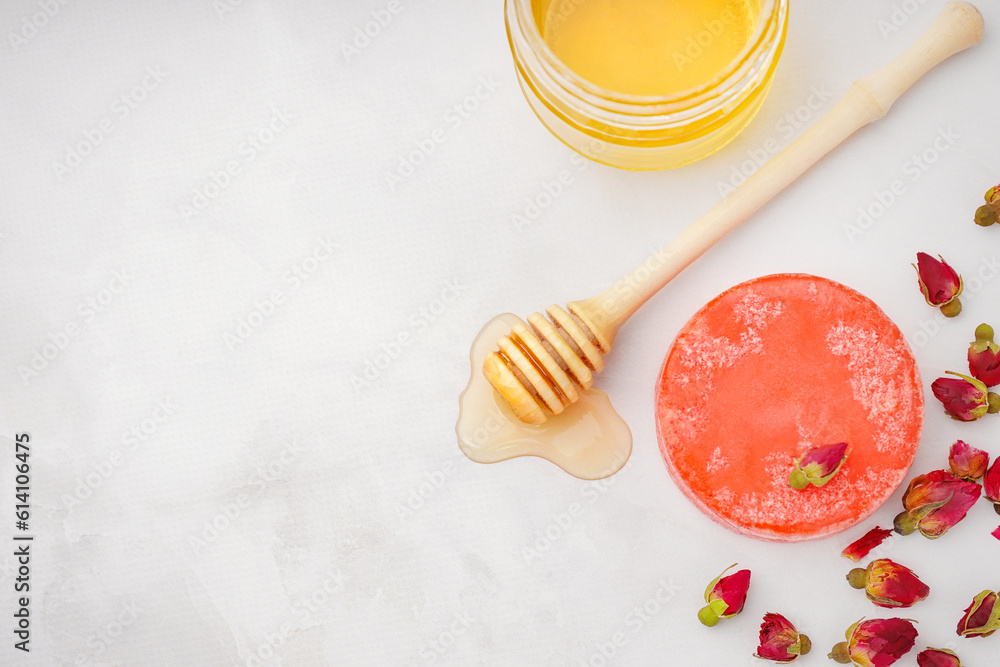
(771, 12)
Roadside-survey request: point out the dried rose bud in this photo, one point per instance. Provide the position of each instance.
(982, 618)
(984, 357)
(889, 584)
(938, 657)
(725, 596)
(818, 465)
(965, 399)
(878, 642)
(989, 213)
(780, 641)
(935, 502)
(861, 548)
(940, 284)
(991, 485)
(996, 533)
(967, 462)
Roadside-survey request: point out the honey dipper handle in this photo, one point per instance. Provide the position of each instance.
(959, 26)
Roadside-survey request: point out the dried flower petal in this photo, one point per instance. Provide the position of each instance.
(938, 657)
(991, 483)
(780, 641)
(967, 462)
(965, 399)
(725, 596)
(940, 283)
(934, 503)
(996, 533)
(889, 584)
(984, 357)
(861, 548)
(982, 617)
(875, 643)
(818, 465)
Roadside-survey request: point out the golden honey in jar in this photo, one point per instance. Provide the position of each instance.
(646, 84)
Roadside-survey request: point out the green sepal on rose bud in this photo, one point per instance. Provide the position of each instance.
(725, 596)
(818, 465)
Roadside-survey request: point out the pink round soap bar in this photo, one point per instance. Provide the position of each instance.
(770, 369)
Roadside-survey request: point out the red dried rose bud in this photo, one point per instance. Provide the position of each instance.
(780, 641)
(967, 462)
(991, 485)
(982, 618)
(940, 284)
(938, 657)
(964, 398)
(989, 213)
(725, 596)
(889, 584)
(935, 502)
(984, 357)
(861, 548)
(818, 465)
(875, 643)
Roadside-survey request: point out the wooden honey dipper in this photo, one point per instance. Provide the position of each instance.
(541, 366)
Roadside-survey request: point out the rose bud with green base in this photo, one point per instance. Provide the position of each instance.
(938, 657)
(934, 503)
(989, 212)
(818, 465)
(964, 398)
(780, 641)
(982, 617)
(878, 642)
(940, 284)
(984, 357)
(889, 584)
(725, 596)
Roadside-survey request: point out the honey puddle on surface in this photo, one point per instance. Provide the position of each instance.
(589, 440)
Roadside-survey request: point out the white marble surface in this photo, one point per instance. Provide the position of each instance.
(215, 478)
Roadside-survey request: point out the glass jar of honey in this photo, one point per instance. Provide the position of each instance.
(646, 84)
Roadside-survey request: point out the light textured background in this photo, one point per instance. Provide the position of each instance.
(217, 481)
